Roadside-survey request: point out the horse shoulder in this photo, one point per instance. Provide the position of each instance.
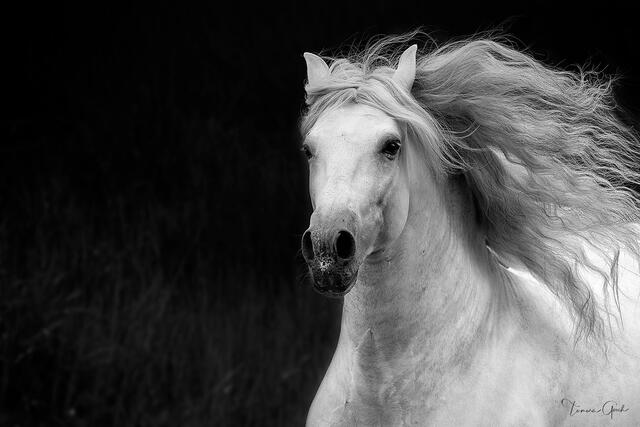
(588, 372)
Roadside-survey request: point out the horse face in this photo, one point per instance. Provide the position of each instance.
(358, 190)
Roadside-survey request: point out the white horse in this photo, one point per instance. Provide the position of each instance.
(475, 210)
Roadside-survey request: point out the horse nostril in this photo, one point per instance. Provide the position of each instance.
(345, 245)
(307, 246)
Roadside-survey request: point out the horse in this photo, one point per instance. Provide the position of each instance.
(476, 210)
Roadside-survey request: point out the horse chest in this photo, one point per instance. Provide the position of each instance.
(459, 403)
(501, 387)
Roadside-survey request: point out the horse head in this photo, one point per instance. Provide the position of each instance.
(358, 183)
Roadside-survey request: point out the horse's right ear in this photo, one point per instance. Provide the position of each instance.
(317, 69)
(406, 72)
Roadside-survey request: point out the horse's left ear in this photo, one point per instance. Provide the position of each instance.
(406, 72)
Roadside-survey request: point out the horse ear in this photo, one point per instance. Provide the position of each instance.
(317, 69)
(406, 72)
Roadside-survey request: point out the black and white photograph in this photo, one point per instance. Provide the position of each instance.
(356, 213)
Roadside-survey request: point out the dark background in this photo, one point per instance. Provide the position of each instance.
(152, 197)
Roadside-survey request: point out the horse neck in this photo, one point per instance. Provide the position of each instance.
(432, 295)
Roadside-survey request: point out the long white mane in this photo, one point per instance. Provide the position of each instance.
(551, 166)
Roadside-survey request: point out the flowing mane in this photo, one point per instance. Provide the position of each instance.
(551, 167)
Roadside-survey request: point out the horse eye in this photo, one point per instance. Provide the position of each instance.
(391, 148)
(307, 152)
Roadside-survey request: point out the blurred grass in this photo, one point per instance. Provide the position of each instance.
(161, 287)
(143, 357)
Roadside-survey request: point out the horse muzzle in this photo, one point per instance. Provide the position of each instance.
(330, 255)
